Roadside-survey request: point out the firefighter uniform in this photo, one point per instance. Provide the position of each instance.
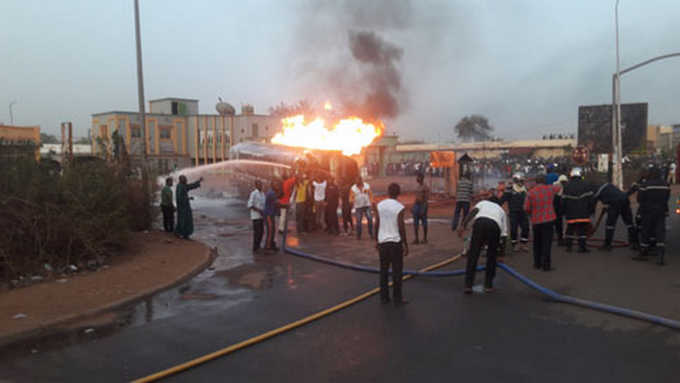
(618, 204)
(653, 195)
(515, 196)
(578, 205)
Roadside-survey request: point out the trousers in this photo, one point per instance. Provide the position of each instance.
(485, 231)
(270, 224)
(653, 226)
(391, 256)
(461, 206)
(360, 211)
(258, 233)
(577, 230)
(168, 218)
(519, 220)
(543, 236)
(616, 209)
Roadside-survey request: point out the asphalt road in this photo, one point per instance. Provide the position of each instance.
(513, 335)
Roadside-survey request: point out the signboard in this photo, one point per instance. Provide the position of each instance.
(603, 163)
(595, 128)
(442, 159)
(580, 155)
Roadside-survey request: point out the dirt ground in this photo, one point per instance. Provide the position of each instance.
(152, 260)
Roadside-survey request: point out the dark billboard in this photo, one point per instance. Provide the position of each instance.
(595, 127)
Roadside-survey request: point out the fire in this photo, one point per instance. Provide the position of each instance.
(327, 105)
(348, 135)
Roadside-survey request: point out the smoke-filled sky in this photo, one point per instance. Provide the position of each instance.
(419, 65)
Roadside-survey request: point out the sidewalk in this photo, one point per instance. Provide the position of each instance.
(153, 262)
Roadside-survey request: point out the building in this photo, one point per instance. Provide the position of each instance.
(386, 150)
(19, 141)
(659, 138)
(177, 135)
(56, 151)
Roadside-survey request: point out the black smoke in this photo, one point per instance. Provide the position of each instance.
(381, 78)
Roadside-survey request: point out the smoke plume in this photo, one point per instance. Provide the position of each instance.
(380, 75)
(343, 53)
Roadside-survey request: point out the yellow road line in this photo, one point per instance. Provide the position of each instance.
(275, 332)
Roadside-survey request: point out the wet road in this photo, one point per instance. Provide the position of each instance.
(442, 335)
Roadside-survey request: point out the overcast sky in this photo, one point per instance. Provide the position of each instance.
(524, 64)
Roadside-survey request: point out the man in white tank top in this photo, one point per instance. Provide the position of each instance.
(390, 232)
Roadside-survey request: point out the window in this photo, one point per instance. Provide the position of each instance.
(166, 133)
(175, 108)
(242, 131)
(256, 129)
(266, 128)
(135, 131)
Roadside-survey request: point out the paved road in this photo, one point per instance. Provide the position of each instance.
(442, 335)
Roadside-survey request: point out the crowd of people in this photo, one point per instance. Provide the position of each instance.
(552, 201)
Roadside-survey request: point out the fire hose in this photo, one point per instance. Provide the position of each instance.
(670, 323)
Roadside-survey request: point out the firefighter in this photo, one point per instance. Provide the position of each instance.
(578, 205)
(515, 196)
(557, 206)
(617, 203)
(653, 195)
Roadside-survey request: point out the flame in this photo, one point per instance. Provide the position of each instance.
(327, 105)
(348, 135)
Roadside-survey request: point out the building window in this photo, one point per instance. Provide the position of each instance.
(166, 133)
(256, 130)
(175, 108)
(242, 131)
(266, 128)
(135, 131)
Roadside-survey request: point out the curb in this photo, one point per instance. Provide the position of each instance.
(56, 326)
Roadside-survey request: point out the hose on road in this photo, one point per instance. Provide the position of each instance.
(270, 334)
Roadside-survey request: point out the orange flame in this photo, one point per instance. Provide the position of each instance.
(348, 135)
(327, 105)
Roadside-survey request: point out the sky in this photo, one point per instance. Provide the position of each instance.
(526, 65)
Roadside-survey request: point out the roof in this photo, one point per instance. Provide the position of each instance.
(173, 99)
(488, 145)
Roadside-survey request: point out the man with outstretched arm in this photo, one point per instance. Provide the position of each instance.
(392, 245)
(490, 229)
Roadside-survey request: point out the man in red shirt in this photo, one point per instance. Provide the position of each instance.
(288, 186)
(539, 206)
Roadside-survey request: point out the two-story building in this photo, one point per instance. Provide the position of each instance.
(177, 135)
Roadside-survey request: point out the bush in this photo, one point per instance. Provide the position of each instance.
(61, 218)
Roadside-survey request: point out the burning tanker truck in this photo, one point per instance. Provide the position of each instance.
(329, 162)
(308, 146)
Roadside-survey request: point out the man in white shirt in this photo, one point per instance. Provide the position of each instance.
(392, 245)
(256, 207)
(362, 197)
(319, 201)
(491, 224)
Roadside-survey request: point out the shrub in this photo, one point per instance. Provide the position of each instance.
(61, 218)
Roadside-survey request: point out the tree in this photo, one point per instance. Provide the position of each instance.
(48, 139)
(303, 107)
(474, 128)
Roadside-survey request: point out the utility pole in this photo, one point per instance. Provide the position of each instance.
(617, 176)
(142, 113)
(11, 116)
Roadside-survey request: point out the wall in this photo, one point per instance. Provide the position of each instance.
(17, 140)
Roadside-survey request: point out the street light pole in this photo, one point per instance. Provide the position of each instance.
(140, 90)
(617, 176)
(11, 115)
